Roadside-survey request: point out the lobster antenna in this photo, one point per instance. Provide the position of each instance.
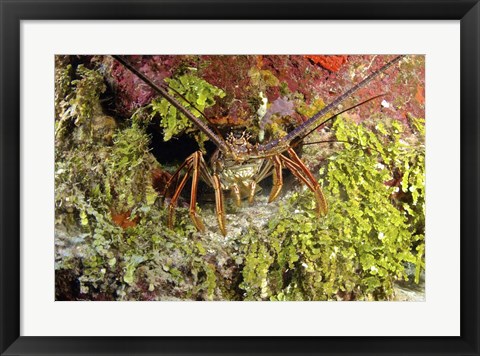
(335, 116)
(315, 121)
(216, 139)
(166, 87)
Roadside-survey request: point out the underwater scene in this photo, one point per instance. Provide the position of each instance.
(240, 177)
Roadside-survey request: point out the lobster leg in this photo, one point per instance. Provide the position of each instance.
(264, 171)
(193, 165)
(277, 178)
(215, 182)
(196, 165)
(219, 207)
(176, 195)
(236, 194)
(174, 177)
(299, 169)
(297, 172)
(251, 195)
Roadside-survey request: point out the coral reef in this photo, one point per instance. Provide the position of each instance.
(111, 237)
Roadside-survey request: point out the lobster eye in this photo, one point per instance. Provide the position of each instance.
(238, 138)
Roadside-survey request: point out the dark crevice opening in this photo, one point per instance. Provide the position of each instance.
(177, 149)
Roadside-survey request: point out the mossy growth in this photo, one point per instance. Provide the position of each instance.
(106, 207)
(77, 99)
(198, 93)
(374, 227)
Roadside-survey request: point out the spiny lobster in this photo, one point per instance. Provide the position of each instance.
(239, 165)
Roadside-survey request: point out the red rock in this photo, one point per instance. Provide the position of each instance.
(420, 94)
(332, 63)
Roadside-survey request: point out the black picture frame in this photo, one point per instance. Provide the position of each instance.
(12, 12)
